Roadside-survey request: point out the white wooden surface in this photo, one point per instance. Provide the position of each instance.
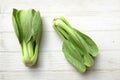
(100, 19)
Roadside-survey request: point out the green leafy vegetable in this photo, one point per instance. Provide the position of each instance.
(78, 48)
(28, 28)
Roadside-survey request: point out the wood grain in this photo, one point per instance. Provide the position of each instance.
(100, 19)
(55, 61)
(88, 22)
(62, 6)
(52, 75)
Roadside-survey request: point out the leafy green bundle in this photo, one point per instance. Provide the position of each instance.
(28, 28)
(78, 48)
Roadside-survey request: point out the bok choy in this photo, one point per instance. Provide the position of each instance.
(28, 28)
(78, 48)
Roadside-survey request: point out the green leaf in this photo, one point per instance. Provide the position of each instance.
(16, 24)
(74, 51)
(36, 25)
(25, 19)
(79, 52)
(93, 49)
(75, 62)
(88, 61)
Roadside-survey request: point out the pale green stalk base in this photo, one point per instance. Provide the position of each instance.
(29, 53)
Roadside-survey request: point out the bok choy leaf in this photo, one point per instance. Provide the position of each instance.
(28, 28)
(78, 48)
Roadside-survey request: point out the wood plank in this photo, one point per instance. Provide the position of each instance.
(105, 61)
(97, 18)
(103, 21)
(52, 42)
(62, 6)
(53, 75)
